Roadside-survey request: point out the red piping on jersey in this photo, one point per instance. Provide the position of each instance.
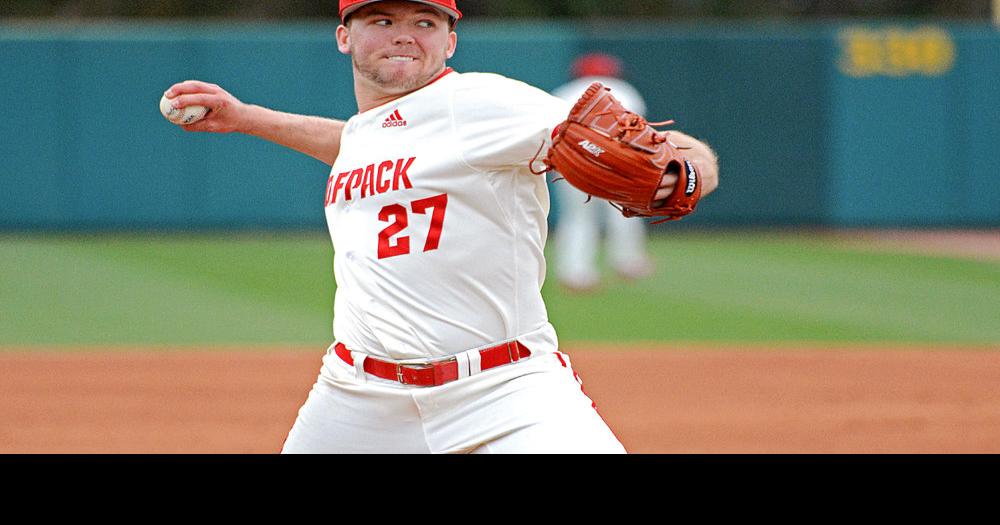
(593, 403)
(578, 380)
(439, 77)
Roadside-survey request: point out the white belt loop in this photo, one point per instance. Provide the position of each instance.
(463, 364)
(475, 362)
(359, 366)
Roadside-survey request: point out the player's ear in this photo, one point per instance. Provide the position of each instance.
(344, 39)
(452, 44)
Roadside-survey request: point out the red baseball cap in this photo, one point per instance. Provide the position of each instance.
(448, 6)
(597, 65)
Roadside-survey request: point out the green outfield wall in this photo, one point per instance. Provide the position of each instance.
(847, 124)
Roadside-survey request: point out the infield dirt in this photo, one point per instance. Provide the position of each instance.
(829, 399)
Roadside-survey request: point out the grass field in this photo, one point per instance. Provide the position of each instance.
(278, 288)
(867, 349)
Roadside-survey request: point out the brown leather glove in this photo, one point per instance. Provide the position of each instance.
(611, 153)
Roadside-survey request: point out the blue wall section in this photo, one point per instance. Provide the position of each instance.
(814, 125)
(90, 149)
(33, 138)
(977, 180)
(757, 94)
(916, 144)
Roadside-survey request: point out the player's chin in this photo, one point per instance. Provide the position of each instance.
(404, 79)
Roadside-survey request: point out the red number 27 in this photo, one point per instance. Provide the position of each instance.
(398, 215)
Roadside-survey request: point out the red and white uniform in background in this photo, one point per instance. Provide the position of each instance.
(438, 228)
(578, 235)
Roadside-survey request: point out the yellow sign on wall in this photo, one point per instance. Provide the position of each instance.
(896, 52)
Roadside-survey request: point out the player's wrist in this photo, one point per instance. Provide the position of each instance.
(251, 121)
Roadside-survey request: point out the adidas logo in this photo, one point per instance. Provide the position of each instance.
(394, 121)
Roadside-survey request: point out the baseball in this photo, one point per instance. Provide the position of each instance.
(182, 117)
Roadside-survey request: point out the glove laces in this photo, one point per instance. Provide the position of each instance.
(630, 123)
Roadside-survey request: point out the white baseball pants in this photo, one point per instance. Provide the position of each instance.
(578, 238)
(536, 405)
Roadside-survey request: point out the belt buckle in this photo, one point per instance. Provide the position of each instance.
(411, 366)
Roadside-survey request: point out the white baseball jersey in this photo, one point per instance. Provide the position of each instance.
(438, 224)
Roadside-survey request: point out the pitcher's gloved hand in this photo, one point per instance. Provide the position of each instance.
(612, 153)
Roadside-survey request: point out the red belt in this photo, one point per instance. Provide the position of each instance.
(438, 372)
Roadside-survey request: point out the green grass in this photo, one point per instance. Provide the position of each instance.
(168, 289)
(759, 288)
(165, 289)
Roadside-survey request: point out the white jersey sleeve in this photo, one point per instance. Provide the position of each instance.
(502, 123)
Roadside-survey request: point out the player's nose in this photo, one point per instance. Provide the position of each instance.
(403, 38)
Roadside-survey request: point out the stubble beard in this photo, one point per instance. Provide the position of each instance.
(392, 82)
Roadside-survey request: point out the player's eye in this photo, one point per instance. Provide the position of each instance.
(383, 22)
(426, 23)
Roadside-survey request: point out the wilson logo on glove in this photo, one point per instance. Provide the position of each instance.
(692, 179)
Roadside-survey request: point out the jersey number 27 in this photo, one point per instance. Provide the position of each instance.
(398, 215)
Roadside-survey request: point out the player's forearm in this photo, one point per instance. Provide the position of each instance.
(702, 156)
(317, 137)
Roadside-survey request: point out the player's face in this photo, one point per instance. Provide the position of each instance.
(397, 46)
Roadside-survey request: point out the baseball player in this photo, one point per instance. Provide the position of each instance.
(442, 342)
(580, 221)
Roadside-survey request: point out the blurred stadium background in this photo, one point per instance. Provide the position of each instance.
(860, 196)
(790, 9)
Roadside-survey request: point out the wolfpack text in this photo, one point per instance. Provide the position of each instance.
(373, 179)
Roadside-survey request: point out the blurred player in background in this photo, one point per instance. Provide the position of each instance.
(580, 221)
